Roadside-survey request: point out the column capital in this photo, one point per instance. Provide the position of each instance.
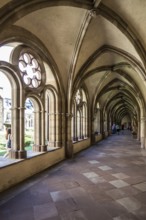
(69, 115)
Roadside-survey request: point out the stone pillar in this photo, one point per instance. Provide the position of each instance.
(75, 124)
(143, 136)
(92, 130)
(101, 123)
(43, 145)
(21, 152)
(80, 125)
(15, 129)
(52, 133)
(58, 130)
(138, 131)
(69, 144)
(74, 128)
(37, 132)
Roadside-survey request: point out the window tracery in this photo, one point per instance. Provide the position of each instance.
(30, 70)
(79, 120)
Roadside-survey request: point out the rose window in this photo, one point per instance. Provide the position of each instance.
(30, 70)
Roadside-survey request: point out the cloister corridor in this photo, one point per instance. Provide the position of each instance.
(104, 182)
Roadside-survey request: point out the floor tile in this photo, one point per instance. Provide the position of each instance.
(141, 186)
(141, 197)
(120, 175)
(97, 179)
(128, 216)
(59, 195)
(130, 203)
(47, 210)
(116, 193)
(114, 208)
(105, 168)
(140, 213)
(119, 183)
(73, 216)
(90, 174)
(93, 161)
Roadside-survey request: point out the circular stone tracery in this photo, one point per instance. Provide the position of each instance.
(30, 70)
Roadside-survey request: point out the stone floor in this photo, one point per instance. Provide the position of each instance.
(105, 182)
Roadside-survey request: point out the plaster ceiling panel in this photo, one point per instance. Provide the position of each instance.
(133, 12)
(96, 82)
(58, 28)
(92, 82)
(107, 59)
(139, 81)
(106, 97)
(110, 76)
(100, 80)
(93, 39)
(4, 2)
(102, 32)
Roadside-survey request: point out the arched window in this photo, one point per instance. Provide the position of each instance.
(50, 118)
(33, 111)
(25, 71)
(5, 110)
(80, 116)
(53, 119)
(29, 124)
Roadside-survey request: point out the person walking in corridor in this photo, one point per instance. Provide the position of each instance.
(8, 143)
(118, 129)
(122, 127)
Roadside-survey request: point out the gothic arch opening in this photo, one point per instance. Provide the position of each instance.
(29, 124)
(80, 116)
(5, 110)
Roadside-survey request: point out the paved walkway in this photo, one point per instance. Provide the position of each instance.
(105, 182)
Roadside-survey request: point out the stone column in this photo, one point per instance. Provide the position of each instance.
(15, 129)
(37, 132)
(142, 135)
(69, 144)
(138, 131)
(92, 130)
(21, 152)
(75, 125)
(43, 145)
(52, 133)
(82, 136)
(101, 123)
(58, 130)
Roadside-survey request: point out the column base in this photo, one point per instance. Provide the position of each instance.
(142, 143)
(39, 148)
(13, 154)
(22, 154)
(44, 148)
(92, 138)
(58, 144)
(17, 154)
(134, 136)
(69, 149)
(103, 135)
(51, 144)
